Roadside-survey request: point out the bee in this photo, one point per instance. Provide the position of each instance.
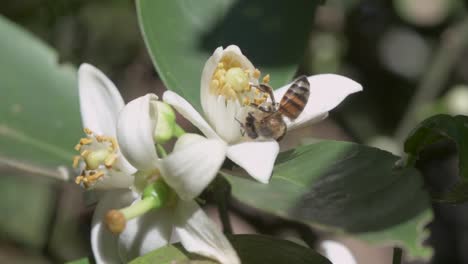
(267, 120)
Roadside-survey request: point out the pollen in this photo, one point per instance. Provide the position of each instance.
(266, 78)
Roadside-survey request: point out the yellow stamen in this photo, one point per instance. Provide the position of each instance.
(246, 101)
(76, 159)
(259, 101)
(266, 78)
(85, 153)
(256, 74)
(110, 160)
(87, 131)
(78, 147)
(86, 141)
(115, 146)
(79, 179)
(220, 65)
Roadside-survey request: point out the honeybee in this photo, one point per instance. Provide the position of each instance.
(267, 120)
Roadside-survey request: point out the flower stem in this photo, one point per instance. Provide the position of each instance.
(140, 207)
(178, 131)
(161, 150)
(397, 253)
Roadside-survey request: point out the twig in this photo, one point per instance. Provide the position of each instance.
(397, 253)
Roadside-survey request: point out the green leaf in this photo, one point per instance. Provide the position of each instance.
(79, 261)
(27, 205)
(182, 34)
(346, 188)
(252, 249)
(438, 128)
(40, 121)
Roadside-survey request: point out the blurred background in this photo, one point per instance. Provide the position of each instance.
(411, 56)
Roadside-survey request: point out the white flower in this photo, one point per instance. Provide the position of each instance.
(226, 95)
(101, 104)
(103, 165)
(193, 163)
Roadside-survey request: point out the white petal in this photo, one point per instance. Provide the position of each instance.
(114, 180)
(189, 169)
(135, 130)
(326, 92)
(337, 253)
(256, 157)
(146, 233)
(100, 101)
(200, 235)
(187, 111)
(103, 242)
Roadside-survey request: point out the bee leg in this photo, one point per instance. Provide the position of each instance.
(241, 125)
(266, 89)
(265, 109)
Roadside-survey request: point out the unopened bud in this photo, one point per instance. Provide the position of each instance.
(166, 122)
(115, 221)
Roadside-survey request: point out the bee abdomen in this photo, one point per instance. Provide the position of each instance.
(295, 98)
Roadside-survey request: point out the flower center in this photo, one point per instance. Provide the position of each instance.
(235, 83)
(99, 154)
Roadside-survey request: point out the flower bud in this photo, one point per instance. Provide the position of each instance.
(165, 125)
(159, 191)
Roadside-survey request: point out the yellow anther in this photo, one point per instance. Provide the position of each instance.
(257, 92)
(266, 78)
(79, 179)
(93, 177)
(220, 65)
(110, 160)
(113, 141)
(76, 159)
(214, 84)
(100, 138)
(85, 153)
(248, 88)
(256, 73)
(86, 141)
(78, 147)
(246, 101)
(259, 101)
(219, 73)
(88, 131)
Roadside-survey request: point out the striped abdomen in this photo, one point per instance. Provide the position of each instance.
(295, 98)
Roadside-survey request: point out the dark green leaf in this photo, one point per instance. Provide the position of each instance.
(181, 35)
(39, 116)
(438, 128)
(345, 187)
(252, 249)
